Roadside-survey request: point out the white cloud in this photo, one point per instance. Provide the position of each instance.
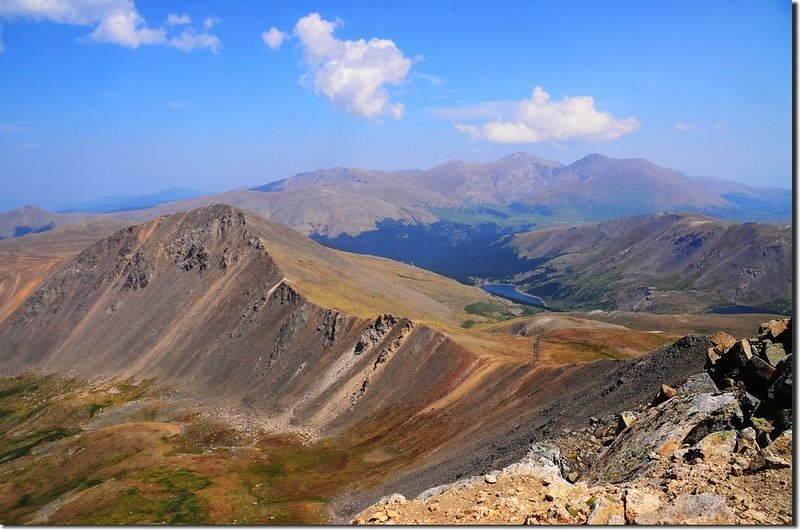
(5, 128)
(114, 21)
(210, 22)
(80, 12)
(190, 40)
(127, 29)
(273, 38)
(29, 146)
(178, 20)
(352, 74)
(2, 46)
(682, 127)
(539, 119)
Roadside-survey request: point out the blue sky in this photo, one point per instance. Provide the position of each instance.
(101, 97)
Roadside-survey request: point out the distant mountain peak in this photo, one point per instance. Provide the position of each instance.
(522, 156)
(519, 155)
(590, 158)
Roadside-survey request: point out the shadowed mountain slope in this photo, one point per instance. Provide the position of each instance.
(660, 263)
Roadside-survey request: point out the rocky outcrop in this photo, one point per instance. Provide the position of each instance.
(662, 430)
(759, 370)
(699, 455)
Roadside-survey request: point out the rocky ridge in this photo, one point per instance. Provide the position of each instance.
(716, 449)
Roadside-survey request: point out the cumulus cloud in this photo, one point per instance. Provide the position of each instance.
(178, 20)
(352, 74)
(127, 29)
(540, 119)
(115, 22)
(273, 38)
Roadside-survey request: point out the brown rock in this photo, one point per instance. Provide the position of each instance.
(718, 444)
(379, 516)
(720, 338)
(782, 446)
(773, 329)
(666, 392)
(607, 511)
(638, 503)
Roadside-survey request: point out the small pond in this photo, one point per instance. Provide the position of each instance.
(510, 291)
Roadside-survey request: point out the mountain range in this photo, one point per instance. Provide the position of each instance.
(515, 193)
(521, 188)
(458, 218)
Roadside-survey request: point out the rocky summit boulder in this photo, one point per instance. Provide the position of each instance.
(661, 430)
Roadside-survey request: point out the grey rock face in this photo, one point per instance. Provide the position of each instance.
(700, 383)
(663, 429)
